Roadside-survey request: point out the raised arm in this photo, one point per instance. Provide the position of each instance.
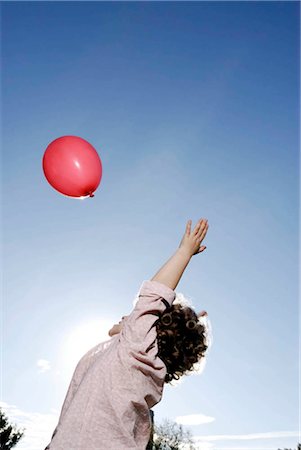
(171, 272)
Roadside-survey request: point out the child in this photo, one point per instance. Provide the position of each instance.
(114, 385)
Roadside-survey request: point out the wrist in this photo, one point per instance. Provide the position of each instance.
(184, 252)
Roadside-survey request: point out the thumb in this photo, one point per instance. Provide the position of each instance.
(202, 248)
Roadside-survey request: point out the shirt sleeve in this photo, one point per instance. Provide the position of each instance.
(139, 329)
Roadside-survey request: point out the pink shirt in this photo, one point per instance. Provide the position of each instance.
(116, 383)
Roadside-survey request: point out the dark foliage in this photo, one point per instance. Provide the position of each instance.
(9, 434)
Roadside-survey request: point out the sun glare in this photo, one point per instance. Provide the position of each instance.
(80, 339)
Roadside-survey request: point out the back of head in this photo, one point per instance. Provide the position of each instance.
(182, 340)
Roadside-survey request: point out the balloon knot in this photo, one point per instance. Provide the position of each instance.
(91, 194)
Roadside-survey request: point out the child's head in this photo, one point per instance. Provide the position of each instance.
(182, 340)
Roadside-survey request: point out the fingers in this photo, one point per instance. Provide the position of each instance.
(201, 227)
(188, 227)
(203, 230)
(197, 227)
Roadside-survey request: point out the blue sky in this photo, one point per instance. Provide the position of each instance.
(193, 108)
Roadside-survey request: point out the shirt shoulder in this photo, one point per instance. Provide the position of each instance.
(156, 289)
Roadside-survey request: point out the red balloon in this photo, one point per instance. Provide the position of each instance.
(72, 166)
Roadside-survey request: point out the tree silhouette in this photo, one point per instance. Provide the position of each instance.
(171, 436)
(298, 448)
(9, 434)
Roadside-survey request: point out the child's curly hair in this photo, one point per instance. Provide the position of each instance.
(181, 339)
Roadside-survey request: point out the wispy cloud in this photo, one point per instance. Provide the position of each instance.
(194, 419)
(207, 442)
(267, 435)
(43, 365)
(38, 427)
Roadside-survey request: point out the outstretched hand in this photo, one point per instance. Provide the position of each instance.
(191, 241)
